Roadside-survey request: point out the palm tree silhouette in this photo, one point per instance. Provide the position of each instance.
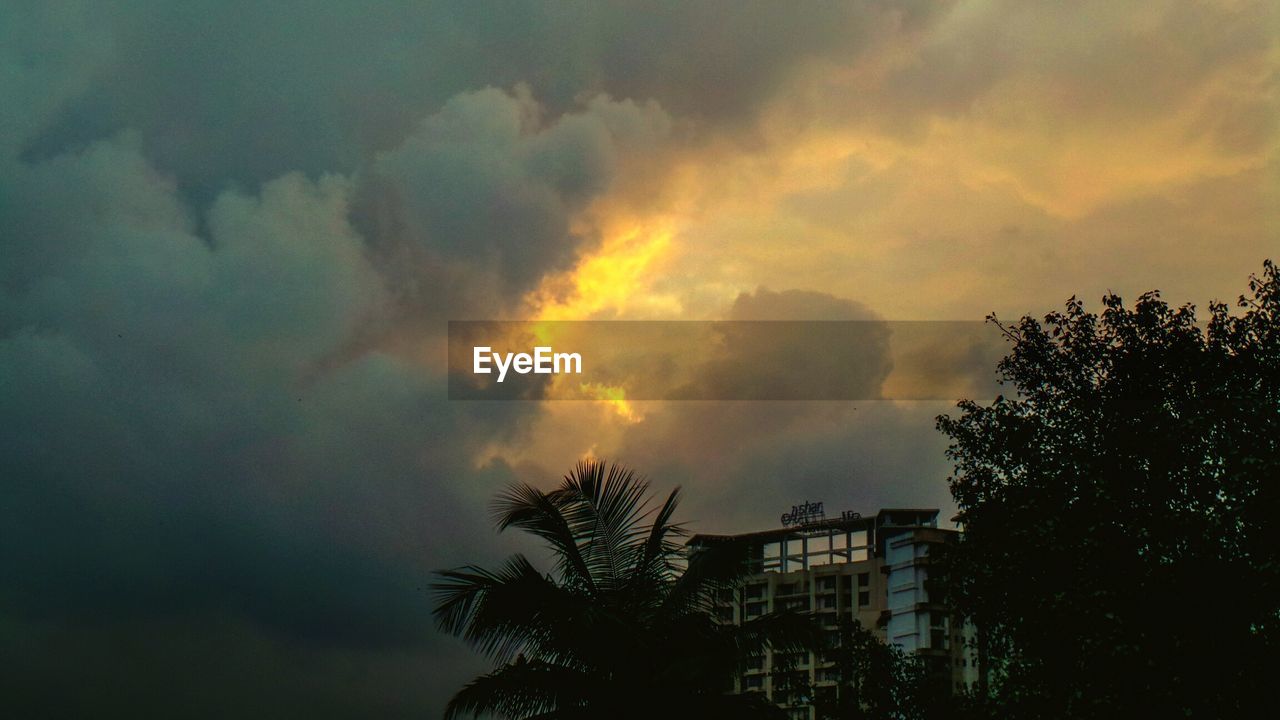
(623, 628)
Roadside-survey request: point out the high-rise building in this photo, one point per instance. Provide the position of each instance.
(870, 569)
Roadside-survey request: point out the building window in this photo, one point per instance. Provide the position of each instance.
(864, 579)
(864, 598)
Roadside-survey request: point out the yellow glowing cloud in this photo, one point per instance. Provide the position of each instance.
(616, 397)
(612, 281)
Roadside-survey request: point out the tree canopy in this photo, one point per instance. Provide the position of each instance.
(1120, 554)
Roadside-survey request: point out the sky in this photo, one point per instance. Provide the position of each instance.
(232, 234)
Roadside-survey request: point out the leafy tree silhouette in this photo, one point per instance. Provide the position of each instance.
(1120, 554)
(874, 680)
(624, 627)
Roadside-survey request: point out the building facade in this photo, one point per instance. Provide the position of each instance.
(869, 569)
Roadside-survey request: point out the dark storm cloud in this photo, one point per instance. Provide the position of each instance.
(210, 666)
(486, 189)
(244, 91)
(181, 444)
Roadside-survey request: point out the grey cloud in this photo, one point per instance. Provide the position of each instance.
(214, 666)
(100, 246)
(49, 55)
(766, 304)
(487, 186)
(765, 360)
(245, 91)
(187, 437)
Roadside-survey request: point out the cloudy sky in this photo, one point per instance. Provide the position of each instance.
(231, 235)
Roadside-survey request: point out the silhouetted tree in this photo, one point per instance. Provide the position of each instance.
(624, 627)
(1120, 553)
(876, 681)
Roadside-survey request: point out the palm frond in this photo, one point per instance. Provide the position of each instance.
(528, 508)
(653, 561)
(514, 609)
(603, 506)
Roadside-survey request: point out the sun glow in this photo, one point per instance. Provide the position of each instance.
(616, 397)
(611, 282)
